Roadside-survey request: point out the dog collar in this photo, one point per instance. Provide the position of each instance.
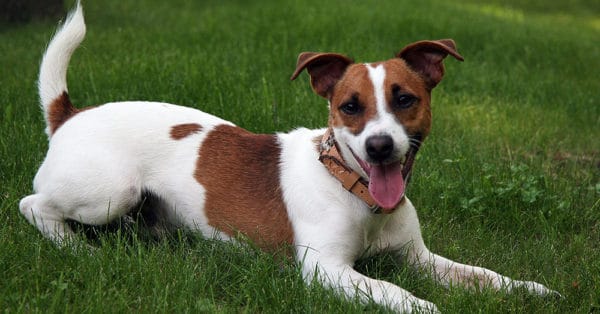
(331, 158)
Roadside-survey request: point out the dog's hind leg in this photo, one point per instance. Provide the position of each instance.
(49, 221)
(88, 195)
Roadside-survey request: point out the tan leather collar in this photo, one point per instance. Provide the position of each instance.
(352, 181)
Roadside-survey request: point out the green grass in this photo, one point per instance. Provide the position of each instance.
(509, 178)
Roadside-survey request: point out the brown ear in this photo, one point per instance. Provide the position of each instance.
(426, 58)
(325, 70)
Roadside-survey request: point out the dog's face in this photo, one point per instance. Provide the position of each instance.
(380, 112)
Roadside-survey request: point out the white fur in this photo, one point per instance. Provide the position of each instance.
(100, 160)
(377, 76)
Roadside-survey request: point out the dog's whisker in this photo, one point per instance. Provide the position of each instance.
(414, 143)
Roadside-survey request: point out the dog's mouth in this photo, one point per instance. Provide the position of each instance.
(387, 181)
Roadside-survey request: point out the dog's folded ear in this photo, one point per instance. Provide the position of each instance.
(426, 58)
(325, 70)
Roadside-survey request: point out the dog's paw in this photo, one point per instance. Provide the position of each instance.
(423, 306)
(539, 289)
(416, 305)
(426, 307)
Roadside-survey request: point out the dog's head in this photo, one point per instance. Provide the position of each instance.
(380, 112)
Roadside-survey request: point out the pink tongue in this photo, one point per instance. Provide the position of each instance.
(386, 184)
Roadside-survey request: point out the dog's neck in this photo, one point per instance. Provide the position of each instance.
(331, 158)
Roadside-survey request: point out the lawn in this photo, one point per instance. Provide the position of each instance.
(509, 178)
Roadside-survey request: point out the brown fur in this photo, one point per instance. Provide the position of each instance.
(417, 118)
(181, 131)
(59, 111)
(233, 159)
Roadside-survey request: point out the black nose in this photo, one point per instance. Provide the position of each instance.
(380, 147)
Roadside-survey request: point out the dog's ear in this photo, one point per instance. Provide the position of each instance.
(325, 70)
(426, 58)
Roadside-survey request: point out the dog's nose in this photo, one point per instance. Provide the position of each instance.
(380, 147)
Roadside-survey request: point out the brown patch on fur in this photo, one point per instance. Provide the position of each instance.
(59, 111)
(184, 130)
(417, 118)
(240, 172)
(355, 86)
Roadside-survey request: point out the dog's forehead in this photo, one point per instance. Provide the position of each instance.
(358, 79)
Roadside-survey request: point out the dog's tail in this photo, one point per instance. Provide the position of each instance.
(52, 84)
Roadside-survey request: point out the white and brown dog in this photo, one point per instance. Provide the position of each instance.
(332, 194)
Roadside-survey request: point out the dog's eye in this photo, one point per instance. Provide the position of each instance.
(404, 101)
(351, 108)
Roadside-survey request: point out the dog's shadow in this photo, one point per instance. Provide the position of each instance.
(141, 225)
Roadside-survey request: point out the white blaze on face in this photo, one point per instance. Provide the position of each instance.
(385, 122)
(377, 76)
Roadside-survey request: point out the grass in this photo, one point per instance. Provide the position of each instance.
(509, 178)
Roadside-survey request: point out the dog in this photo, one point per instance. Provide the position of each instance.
(332, 194)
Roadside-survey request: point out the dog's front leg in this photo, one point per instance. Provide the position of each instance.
(404, 233)
(449, 272)
(348, 282)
